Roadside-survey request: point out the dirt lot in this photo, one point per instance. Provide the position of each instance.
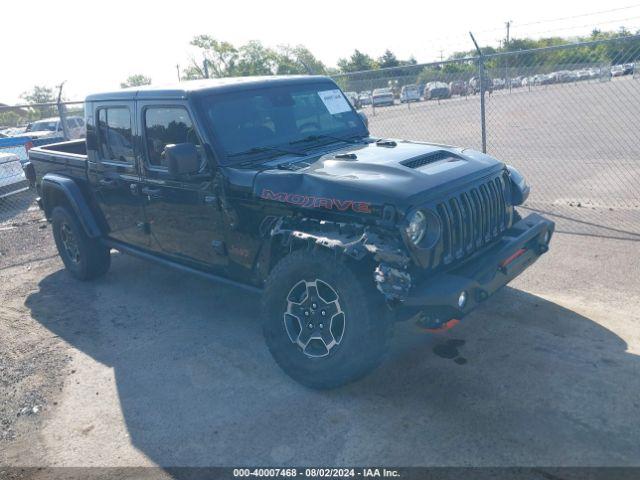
(152, 367)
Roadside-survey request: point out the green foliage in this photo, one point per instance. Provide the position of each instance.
(135, 81)
(40, 94)
(222, 59)
(357, 62)
(10, 119)
(388, 60)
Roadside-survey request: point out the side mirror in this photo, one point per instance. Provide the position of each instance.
(181, 158)
(365, 119)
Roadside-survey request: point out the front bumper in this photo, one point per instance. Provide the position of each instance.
(482, 276)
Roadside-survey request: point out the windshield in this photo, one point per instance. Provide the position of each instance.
(262, 120)
(44, 127)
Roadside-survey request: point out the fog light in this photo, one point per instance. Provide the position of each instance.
(462, 299)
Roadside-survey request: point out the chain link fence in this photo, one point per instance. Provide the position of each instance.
(21, 128)
(567, 117)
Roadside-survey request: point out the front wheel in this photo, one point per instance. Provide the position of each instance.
(324, 325)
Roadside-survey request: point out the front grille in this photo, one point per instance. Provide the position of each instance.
(473, 218)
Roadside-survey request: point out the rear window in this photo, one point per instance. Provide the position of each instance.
(114, 134)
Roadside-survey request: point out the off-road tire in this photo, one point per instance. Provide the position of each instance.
(90, 258)
(367, 324)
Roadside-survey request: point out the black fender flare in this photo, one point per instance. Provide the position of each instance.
(54, 183)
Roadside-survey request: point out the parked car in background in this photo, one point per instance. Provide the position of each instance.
(474, 85)
(409, 93)
(565, 76)
(515, 82)
(499, 83)
(436, 90)
(53, 127)
(382, 97)
(364, 98)
(458, 87)
(628, 68)
(583, 74)
(617, 70)
(12, 178)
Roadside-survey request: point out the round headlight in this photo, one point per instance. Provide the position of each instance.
(417, 227)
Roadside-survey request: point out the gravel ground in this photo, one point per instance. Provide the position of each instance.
(148, 366)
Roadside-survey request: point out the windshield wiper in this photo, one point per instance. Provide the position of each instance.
(267, 149)
(313, 138)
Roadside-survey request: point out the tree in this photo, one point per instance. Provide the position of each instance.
(295, 60)
(255, 59)
(38, 95)
(219, 58)
(136, 80)
(388, 60)
(357, 62)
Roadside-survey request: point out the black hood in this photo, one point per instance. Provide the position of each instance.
(402, 174)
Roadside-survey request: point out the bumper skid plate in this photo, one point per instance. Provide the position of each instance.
(482, 276)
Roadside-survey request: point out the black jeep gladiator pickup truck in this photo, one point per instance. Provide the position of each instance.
(275, 185)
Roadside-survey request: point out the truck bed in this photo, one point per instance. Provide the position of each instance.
(67, 158)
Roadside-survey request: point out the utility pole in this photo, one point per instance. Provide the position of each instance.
(441, 55)
(178, 70)
(62, 112)
(506, 58)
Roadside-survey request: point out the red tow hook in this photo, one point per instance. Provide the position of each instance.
(448, 325)
(511, 258)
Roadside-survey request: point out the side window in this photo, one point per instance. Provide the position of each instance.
(114, 134)
(165, 126)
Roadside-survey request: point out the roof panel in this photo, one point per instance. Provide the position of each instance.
(183, 89)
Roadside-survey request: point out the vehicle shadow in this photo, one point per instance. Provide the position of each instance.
(528, 382)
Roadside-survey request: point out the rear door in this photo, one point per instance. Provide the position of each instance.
(113, 172)
(183, 214)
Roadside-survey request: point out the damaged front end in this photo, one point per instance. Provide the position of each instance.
(357, 241)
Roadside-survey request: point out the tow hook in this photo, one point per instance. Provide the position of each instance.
(448, 325)
(435, 324)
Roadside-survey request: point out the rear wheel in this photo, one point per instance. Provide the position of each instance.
(85, 258)
(324, 325)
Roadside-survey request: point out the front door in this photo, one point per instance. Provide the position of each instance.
(183, 213)
(113, 173)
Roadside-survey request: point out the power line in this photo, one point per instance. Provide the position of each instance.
(588, 25)
(580, 15)
(571, 17)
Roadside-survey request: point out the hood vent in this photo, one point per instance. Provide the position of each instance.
(433, 157)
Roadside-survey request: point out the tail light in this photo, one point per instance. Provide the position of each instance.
(28, 146)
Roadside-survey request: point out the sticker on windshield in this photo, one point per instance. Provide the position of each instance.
(334, 101)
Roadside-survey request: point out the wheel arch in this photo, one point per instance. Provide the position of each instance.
(58, 190)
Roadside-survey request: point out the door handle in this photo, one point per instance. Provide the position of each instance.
(108, 182)
(151, 192)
